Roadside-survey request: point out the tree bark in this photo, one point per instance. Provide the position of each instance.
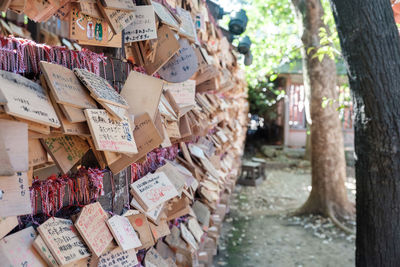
(328, 196)
(371, 46)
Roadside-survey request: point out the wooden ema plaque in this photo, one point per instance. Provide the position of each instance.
(153, 214)
(123, 232)
(167, 46)
(65, 150)
(142, 227)
(146, 137)
(7, 224)
(140, 100)
(91, 31)
(27, 100)
(195, 228)
(63, 241)
(160, 230)
(109, 134)
(66, 87)
(153, 189)
(37, 154)
(118, 258)
(174, 175)
(72, 114)
(143, 27)
(152, 258)
(68, 128)
(14, 136)
(15, 199)
(44, 251)
(116, 18)
(187, 27)
(126, 5)
(183, 93)
(188, 237)
(92, 226)
(164, 15)
(90, 8)
(182, 65)
(99, 87)
(16, 249)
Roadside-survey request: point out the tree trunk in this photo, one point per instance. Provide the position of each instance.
(328, 196)
(371, 46)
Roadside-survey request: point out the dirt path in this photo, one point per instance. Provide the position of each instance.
(257, 232)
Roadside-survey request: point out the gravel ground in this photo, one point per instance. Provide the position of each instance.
(258, 231)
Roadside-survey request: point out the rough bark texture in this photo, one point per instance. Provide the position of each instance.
(328, 195)
(371, 46)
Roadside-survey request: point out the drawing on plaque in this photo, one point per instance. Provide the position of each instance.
(182, 65)
(100, 88)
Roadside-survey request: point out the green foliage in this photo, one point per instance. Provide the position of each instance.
(263, 98)
(274, 35)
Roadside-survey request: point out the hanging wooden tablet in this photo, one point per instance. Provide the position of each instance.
(63, 12)
(17, 6)
(183, 93)
(153, 214)
(79, 128)
(73, 114)
(4, 5)
(15, 199)
(143, 27)
(123, 232)
(173, 174)
(63, 240)
(27, 100)
(167, 47)
(100, 89)
(109, 134)
(90, 8)
(17, 250)
(117, 112)
(7, 224)
(91, 31)
(165, 16)
(126, 5)
(66, 87)
(182, 65)
(44, 252)
(66, 150)
(37, 154)
(146, 137)
(14, 136)
(187, 28)
(188, 237)
(140, 100)
(195, 228)
(160, 230)
(92, 226)
(152, 258)
(141, 225)
(118, 258)
(152, 190)
(117, 19)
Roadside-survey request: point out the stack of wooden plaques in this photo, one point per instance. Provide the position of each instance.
(183, 90)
